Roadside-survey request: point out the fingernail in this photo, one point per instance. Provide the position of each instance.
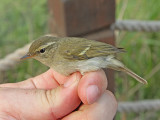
(92, 94)
(71, 80)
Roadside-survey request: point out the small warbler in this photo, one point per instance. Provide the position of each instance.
(70, 54)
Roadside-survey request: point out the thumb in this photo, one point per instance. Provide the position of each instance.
(36, 104)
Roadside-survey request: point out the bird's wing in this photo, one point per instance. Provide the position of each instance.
(81, 49)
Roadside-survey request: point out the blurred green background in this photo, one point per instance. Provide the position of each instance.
(24, 20)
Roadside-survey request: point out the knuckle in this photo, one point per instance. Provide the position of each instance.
(49, 96)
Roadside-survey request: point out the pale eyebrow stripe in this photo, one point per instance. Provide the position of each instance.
(50, 43)
(47, 44)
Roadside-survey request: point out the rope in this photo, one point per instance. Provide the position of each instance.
(139, 106)
(10, 60)
(136, 25)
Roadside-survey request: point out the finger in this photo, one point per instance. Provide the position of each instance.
(47, 80)
(44, 81)
(104, 109)
(41, 104)
(91, 86)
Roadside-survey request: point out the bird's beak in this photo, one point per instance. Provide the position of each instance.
(27, 56)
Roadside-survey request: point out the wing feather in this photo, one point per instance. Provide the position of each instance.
(81, 49)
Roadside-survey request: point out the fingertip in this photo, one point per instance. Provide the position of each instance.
(92, 93)
(75, 77)
(91, 86)
(61, 79)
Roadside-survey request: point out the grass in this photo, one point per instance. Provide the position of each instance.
(23, 21)
(142, 56)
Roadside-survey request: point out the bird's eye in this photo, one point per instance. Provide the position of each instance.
(42, 50)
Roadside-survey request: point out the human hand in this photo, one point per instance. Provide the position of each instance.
(45, 98)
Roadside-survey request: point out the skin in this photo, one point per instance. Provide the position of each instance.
(51, 96)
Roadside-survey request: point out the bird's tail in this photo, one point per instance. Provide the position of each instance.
(117, 65)
(134, 75)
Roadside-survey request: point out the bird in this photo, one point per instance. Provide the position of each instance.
(67, 55)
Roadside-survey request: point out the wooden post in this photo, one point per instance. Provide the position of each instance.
(84, 18)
